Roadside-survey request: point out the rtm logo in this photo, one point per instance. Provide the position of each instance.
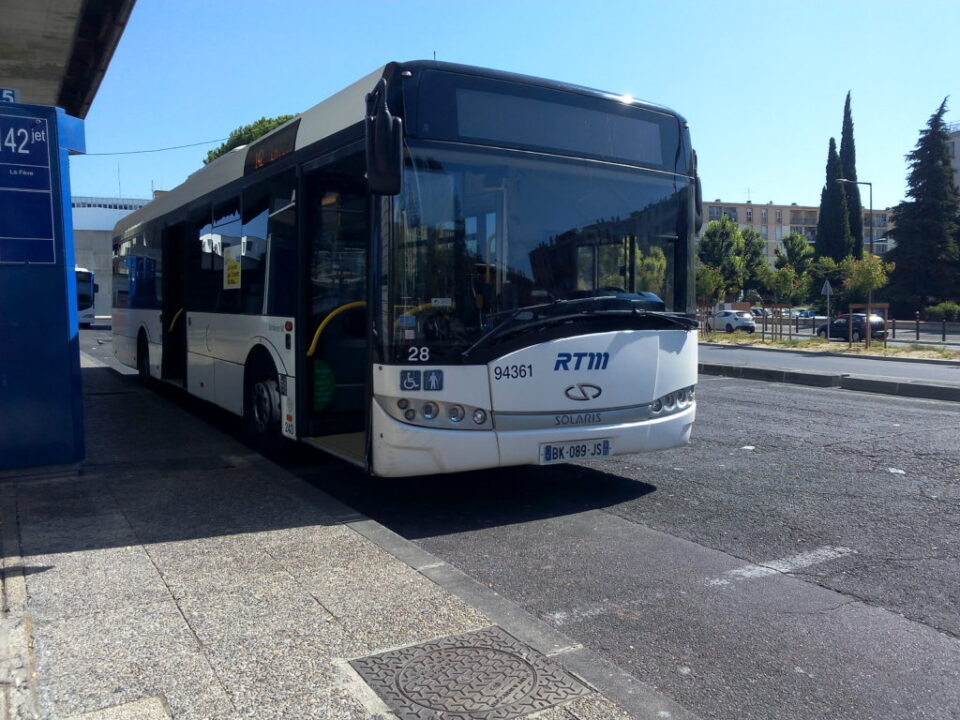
(594, 361)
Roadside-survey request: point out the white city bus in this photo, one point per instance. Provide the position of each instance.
(86, 295)
(439, 268)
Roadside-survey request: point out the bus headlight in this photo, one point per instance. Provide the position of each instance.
(436, 414)
(672, 402)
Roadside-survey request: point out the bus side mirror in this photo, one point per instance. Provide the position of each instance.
(384, 144)
(96, 288)
(698, 198)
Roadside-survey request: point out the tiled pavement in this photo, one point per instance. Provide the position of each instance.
(181, 575)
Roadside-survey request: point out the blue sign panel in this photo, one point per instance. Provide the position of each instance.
(410, 380)
(433, 379)
(26, 191)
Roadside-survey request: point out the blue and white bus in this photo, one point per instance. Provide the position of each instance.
(439, 268)
(86, 296)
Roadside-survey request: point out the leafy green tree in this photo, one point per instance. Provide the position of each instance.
(710, 287)
(721, 246)
(651, 270)
(246, 135)
(833, 227)
(789, 286)
(927, 256)
(754, 260)
(827, 269)
(867, 274)
(796, 252)
(848, 169)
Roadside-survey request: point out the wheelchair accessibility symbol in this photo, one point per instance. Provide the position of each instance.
(410, 380)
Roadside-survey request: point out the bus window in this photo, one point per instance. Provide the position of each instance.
(226, 244)
(253, 250)
(282, 246)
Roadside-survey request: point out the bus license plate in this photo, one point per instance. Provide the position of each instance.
(574, 450)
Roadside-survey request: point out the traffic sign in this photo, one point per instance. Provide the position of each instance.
(26, 190)
(826, 289)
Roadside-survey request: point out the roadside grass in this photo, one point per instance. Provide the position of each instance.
(809, 344)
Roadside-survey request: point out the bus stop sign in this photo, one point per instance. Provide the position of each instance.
(41, 418)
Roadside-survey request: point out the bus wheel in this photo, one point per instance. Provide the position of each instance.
(143, 358)
(261, 405)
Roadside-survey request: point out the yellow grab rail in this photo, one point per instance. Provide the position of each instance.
(326, 321)
(174, 321)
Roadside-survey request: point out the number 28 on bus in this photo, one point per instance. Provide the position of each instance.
(439, 268)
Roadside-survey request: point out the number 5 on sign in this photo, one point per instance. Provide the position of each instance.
(10, 95)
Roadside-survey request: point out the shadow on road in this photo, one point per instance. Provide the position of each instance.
(444, 504)
(156, 474)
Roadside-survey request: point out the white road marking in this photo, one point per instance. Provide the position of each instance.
(89, 361)
(783, 565)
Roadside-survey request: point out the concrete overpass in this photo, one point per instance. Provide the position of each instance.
(55, 52)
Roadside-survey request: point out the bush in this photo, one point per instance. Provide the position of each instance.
(948, 310)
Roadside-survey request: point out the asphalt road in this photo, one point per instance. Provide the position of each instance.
(799, 559)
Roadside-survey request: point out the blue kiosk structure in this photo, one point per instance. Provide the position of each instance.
(41, 411)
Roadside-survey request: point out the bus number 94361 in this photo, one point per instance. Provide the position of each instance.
(512, 372)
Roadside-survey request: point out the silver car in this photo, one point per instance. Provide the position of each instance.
(731, 320)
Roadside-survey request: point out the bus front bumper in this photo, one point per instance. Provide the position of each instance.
(401, 450)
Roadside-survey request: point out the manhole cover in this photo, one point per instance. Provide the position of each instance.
(482, 675)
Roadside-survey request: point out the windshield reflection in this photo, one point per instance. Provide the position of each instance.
(478, 236)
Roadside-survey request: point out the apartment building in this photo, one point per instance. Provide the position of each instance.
(774, 222)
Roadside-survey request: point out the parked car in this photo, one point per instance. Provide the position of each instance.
(731, 320)
(839, 327)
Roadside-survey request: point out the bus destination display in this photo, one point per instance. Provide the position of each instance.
(26, 192)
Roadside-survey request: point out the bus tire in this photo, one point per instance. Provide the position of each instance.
(261, 402)
(143, 358)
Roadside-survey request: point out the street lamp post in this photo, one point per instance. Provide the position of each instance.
(869, 327)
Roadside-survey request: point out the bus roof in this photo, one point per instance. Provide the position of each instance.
(338, 112)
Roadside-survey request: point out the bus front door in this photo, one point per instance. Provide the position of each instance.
(173, 317)
(337, 357)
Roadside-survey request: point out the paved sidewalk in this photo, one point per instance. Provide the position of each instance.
(180, 575)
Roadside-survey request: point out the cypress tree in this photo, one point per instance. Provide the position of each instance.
(833, 225)
(848, 166)
(926, 225)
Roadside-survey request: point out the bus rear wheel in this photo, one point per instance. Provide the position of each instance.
(143, 359)
(261, 404)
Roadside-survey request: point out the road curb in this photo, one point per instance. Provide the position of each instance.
(747, 372)
(828, 353)
(844, 381)
(607, 678)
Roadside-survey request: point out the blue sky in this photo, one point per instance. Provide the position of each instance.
(761, 83)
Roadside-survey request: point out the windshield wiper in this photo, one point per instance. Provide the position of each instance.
(562, 311)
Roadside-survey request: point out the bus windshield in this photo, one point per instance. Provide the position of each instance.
(84, 289)
(479, 235)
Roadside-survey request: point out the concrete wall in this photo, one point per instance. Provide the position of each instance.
(93, 250)
(93, 222)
